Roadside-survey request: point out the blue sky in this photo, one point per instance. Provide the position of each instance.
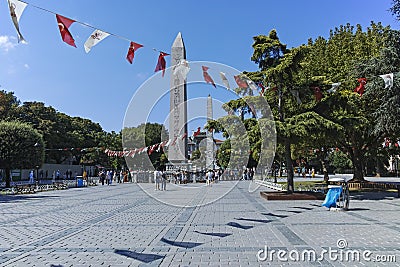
(100, 85)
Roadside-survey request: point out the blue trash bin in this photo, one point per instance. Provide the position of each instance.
(80, 182)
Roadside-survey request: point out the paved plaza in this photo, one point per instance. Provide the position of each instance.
(125, 225)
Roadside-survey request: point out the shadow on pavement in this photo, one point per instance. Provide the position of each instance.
(292, 211)
(302, 208)
(253, 220)
(237, 225)
(380, 195)
(14, 198)
(274, 215)
(143, 257)
(181, 244)
(213, 234)
(357, 209)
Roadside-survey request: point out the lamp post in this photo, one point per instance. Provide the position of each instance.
(37, 177)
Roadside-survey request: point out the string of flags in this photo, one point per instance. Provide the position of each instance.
(388, 143)
(148, 150)
(90, 149)
(207, 77)
(360, 89)
(17, 7)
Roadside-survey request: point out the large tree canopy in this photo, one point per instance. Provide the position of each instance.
(349, 54)
(21, 147)
(64, 136)
(308, 116)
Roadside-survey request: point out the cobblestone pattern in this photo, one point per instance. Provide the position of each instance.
(121, 225)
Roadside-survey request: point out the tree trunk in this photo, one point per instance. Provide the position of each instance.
(8, 177)
(378, 168)
(289, 167)
(358, 165)
(324, 170)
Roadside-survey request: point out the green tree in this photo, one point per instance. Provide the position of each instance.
(340, 161)
(395, 9)
(7, 103)
(95, 155)
(196, 154)
(351, 53)
(145, 135)
(21, 147)
(59, 130)
(291, 99)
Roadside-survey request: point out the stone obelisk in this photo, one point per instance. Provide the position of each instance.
(178, 153)
(209, 137)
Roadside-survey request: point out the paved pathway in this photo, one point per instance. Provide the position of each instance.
(121, 225)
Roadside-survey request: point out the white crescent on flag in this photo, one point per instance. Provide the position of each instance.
(388, 79)
(334, 87)
(96, 37)
(16, 10)
(251, 84)
(225, 80)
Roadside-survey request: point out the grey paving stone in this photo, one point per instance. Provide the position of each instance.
(124, 226)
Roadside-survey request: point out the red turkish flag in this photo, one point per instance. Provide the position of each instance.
(207, 76)
(63, 25)
(196, 133)
(261, 85)
(318, 94)
(361, 88)
(131, 52)
(240, 82)
(161, 63)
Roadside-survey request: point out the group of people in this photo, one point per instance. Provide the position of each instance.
(213, 176)
(302, 171)
(248, 174)
(108, 176)
(160, 178)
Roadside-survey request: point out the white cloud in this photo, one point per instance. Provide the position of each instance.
(141, 75)
(7, 42)
(26, 66)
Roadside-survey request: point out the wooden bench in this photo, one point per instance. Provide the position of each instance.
(376, 185)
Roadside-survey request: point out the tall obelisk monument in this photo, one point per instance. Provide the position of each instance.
(209, 138)
(178, 153)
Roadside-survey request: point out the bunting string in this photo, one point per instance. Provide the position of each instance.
(148, 150)
(17, 7)
(79, 22)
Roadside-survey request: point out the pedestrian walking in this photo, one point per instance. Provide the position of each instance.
(156, 177)
(31, 177)
(163, 181)
(209, 177)
(102, 177)
(120, 177)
